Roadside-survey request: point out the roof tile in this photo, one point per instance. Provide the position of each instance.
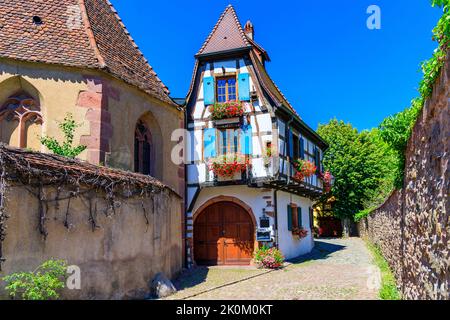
(98, 41)
(227, 34)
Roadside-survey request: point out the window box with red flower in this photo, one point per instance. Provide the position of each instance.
(300, 232)
(227, 111)
(227, 166)
(304, 169)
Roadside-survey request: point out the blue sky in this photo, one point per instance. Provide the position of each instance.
(324, 58)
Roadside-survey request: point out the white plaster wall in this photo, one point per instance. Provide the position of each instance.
(196, 173)
(253, 197)
(290, 245)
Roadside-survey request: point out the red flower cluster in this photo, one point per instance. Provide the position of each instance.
(227, 166)
(229, 109)
(300, 232)
(327, 179)
(269, 258)
(304, 169)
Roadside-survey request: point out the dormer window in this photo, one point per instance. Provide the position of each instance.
(226, 89)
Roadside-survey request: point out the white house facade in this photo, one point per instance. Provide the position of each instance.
(232, 210)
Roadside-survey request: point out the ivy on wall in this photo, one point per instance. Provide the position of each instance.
(396, 130)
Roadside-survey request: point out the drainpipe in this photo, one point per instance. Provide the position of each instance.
(275, 200)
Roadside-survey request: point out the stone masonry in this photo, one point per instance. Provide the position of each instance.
(412, 228)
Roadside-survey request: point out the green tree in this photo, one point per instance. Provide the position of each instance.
(65, 149)
(395, 131)
(361, 165)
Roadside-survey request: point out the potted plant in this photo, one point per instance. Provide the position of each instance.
(229, 112)
(304, 169)
(267, 155)
(228, 165)
(269, 258)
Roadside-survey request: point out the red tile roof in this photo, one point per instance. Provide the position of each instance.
(79, 33)
(227, 34)
(269, 85)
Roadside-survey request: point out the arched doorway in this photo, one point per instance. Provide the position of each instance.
(224, 234)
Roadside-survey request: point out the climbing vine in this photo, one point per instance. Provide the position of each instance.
(396, 130)
(3, 215)
(45, 176)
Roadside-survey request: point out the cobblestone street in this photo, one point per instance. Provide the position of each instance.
(336, 269)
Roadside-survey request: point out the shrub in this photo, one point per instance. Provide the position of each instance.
(42, 284)
(66, 149)
(269, 258)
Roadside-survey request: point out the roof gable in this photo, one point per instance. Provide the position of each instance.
(226, 35)
(79, 33)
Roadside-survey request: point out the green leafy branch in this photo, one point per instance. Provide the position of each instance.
(396, 130)
(66, 149)
(42, 284)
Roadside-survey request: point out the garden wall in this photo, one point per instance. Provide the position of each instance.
(120, 237)
(412, 228)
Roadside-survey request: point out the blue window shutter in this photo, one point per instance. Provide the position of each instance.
(311, 218)
(289, 217)
(209, 90)
(291, 144)
(244, 87)
(209, 140)
(299, 215)
(302, 148)
(246, 140)
(317, 159)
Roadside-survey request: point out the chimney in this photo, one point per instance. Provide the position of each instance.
(249, 31)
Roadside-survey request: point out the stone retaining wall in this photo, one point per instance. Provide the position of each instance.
(412, 227)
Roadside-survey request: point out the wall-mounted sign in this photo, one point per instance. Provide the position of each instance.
(264, 235)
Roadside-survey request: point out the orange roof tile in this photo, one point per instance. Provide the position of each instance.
(227, 34)
(79, 33)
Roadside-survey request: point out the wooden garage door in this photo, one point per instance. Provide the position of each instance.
(223, 235)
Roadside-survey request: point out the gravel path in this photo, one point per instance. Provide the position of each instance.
(336, 269)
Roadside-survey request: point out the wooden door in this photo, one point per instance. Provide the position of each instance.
(224, 235)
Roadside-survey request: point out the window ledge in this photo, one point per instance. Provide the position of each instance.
(229, 122)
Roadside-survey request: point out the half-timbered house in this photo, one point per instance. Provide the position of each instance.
(246, 144)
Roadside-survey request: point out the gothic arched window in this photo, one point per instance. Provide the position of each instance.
(20, 121)
(143, 149)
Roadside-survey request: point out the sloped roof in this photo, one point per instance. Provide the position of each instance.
(227, 34)
(79, 33)
(269, 85)
(259, 48)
